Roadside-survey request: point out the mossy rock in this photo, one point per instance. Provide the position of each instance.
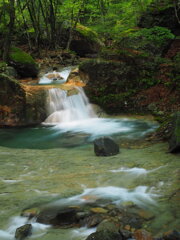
(12, 101)
(23, 63)
(85, 41)
(112, 84)
(174, 141)
(8, 88)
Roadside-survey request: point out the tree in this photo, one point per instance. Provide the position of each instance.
(10, 6)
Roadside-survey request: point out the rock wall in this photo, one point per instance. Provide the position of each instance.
(19, 105)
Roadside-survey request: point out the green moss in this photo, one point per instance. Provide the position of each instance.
(88, 33)
(3, 66)
(17, 55)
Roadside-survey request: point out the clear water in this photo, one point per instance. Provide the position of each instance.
(55, 165)
(146, 175)
(75, 133)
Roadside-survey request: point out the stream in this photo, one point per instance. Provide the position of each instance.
(55, 164)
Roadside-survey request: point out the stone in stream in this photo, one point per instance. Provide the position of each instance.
(105, 235)
(105, 146)
(58, 217)
(23, 232)
(174, 141)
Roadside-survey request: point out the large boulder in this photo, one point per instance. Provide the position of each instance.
(174, 141)
(23, 232)
(105, 146)
(23, 63)
(85, 41)
(111, 84)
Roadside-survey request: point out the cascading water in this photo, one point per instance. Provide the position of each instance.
(73, 113)
(65, 109)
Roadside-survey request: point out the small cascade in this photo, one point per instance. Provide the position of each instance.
(63, 108)
(56, 77)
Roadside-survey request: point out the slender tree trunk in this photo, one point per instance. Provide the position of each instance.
(9, 34)
(74, 21)
(176, 9)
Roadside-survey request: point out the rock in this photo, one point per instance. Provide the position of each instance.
(105, 146)
(142, 234)
(105, 235)
(171, 235)
(126, 234)
(174, 141)
(30, 213)
(58, 217)
(85, 41)
(92, 221)
(12, 101)
(111, 84)
(107, 225)
(23, 63)
(98, 210)
(23, 232)
(54, 76)
(145, 214)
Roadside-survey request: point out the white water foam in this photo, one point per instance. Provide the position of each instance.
(63, 74)
(38, 229)
(141, 196)
(135, 171)
(10, 181)
(66, 109)
(82, 232)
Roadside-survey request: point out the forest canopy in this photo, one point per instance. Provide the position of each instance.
(42, 22)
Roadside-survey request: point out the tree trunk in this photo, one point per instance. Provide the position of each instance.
(9, 34)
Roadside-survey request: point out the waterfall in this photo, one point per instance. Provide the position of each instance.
(63, 108)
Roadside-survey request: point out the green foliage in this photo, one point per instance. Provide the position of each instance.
(17, 55)
(150, 40)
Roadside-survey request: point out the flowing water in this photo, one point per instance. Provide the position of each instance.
(55, 164)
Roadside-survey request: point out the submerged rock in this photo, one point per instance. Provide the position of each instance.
(23, 232)
(105, 146)
(174, 141)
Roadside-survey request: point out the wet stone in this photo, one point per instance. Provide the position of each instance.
(105, 235)
(58, 217)
(23, 232)
(105, 146)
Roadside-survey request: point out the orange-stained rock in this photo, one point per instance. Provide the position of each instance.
(142, 234)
